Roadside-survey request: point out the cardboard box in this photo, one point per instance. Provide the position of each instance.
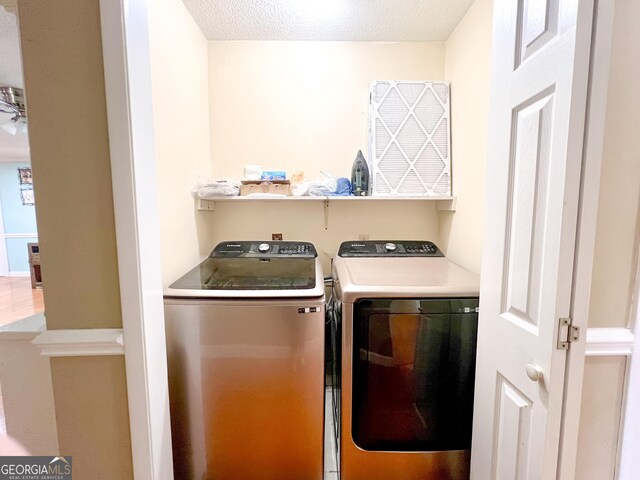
(278, 187)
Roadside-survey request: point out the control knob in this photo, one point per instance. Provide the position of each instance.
(263, 247)
(390, 247)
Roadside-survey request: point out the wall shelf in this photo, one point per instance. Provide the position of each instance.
(443, 204)
(447, 204)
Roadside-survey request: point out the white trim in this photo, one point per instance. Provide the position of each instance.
(14, 155)
(24, 328)
(586, 232)
(125, 44)
(603, 342)
(629, 440)
(443, 204)
(80, 343)
(19, 273)
(11, 336)
(20, 235)
(4, 258)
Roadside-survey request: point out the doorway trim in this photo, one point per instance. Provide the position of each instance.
(127, 71)
(4, 259)
(629, 441)
(596, 343)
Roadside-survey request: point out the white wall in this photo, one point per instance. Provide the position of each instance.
(304, 106)
(180, 91)
(467, 67)
(617, 228)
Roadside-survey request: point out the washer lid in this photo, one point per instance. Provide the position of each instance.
(241, 269)
(402, 277)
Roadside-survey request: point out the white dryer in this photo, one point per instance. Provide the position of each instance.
(404, 328)
(245, 346)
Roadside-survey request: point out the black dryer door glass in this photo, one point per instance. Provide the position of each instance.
(413, 374)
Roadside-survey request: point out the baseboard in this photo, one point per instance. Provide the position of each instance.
(19, 274)
(80, 342)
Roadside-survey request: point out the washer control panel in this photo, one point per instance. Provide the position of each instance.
(389, 248)
(275, 249)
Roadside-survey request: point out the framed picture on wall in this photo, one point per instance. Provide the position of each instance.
(27, 197)
(24, 174)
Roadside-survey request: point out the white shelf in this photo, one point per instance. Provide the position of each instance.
(442, 203)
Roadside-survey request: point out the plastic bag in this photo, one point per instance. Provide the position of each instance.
(300, 189)
(299, 186)
(323, 186)
(208, 190)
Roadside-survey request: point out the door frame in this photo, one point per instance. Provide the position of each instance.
(4, 258)
(127, 71)
(628, 464)
(595, 120)
(130, 123)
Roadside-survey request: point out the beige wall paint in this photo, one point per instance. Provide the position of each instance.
(467, 67)
(617, 229)
(305, 221)
(304, 106)
(93, 420)
(64, 84)
(600, 418)
(180, 90)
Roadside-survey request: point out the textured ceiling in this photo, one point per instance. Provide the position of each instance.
(10, 66)
(350, 20)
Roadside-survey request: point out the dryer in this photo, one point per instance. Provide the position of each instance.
(404, 327)
(245, 346)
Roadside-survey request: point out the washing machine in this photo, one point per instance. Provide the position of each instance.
(245, 346)
(404, 328)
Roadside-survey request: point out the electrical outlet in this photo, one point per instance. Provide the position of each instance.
(363, 236)
(276, 236)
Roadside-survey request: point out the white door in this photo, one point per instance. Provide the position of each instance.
(539, 84)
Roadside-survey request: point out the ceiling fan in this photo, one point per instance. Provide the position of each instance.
(12, 102)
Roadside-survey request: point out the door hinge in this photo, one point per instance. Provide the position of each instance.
(567, 333)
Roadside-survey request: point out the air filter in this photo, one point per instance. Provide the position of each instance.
(409, 135)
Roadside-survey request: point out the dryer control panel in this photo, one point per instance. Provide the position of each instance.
(276, 249)
(389, 248)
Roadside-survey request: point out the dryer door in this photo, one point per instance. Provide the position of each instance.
(413, 374)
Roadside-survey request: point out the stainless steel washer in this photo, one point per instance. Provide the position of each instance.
(404, 326)
(245, 345)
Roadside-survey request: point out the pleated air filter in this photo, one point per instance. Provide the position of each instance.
(410, 140)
